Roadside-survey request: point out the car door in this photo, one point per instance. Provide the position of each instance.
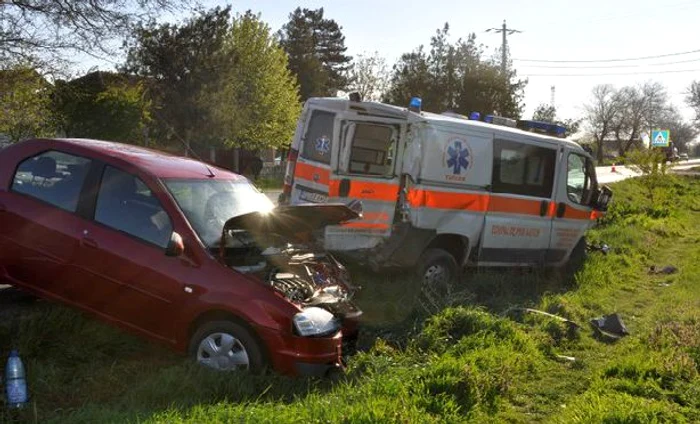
(39, 220)
(518, 218)
(123, 272)
(573, 197)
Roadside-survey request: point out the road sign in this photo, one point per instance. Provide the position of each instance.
(660, 138)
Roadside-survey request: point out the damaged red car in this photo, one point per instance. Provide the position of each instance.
(179, 251)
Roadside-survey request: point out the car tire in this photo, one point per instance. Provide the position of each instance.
(226, 346)
(437, 275)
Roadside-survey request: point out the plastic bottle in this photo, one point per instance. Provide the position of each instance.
(15, 381)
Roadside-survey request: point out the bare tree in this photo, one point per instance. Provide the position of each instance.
(602, 114)
(682, 131)
(693, 100)
(641, 107)
(369, 76)
(50, 28)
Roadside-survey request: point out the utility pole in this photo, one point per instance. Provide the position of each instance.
(504, 30)
(551, 98)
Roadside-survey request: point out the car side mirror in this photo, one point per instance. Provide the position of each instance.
(602, 198)
(175, 246)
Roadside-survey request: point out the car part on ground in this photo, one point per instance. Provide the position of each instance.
(610, 326)
(667, 270)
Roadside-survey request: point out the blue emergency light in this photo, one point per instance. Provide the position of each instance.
(488, 119)
(474, 116)
(415, 104)
(542, 127)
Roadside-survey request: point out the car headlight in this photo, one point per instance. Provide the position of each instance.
(315, 321)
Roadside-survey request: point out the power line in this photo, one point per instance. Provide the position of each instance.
(609, 60)
(639, 65)
(612, 74)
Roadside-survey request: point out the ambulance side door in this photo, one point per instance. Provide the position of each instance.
(572, 215)
(313, 166)
(518, 218)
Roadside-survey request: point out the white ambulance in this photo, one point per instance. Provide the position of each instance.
(443, 191)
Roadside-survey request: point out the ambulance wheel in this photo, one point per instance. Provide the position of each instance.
(437, 275)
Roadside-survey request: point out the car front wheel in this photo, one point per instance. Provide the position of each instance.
(226, 346)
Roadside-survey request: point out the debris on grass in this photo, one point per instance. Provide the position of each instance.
(602, 247)
(610, 326)
(571, 324)
(667, 270)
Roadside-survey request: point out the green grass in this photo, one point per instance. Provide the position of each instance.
(269, 183)
(478, 362)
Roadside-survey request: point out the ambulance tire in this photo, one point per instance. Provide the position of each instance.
(577, 257)
(437, 275)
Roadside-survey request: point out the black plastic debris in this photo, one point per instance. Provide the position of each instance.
(610, 325)
(667, 270)
(603, 248)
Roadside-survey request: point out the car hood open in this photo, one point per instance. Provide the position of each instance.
(295, 222)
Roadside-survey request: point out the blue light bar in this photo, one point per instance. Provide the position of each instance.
(474, 116)
(542, 127)
(415, 104)
(488, 119)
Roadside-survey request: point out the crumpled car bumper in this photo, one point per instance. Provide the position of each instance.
(303, 356)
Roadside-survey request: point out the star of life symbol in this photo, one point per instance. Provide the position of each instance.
(458, 157)
(323, 145)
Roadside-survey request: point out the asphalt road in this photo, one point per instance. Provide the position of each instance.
(606, 176)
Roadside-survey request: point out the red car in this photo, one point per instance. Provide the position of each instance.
(174, 249)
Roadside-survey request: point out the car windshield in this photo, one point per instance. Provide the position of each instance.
(208, 204)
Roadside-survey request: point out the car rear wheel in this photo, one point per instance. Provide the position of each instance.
(226, 346)
(438, 276)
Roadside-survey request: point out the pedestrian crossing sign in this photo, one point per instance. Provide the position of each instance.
(660, 138)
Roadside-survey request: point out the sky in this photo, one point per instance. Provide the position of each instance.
(560, 30)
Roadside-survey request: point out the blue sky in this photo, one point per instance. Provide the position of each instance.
(552, 30)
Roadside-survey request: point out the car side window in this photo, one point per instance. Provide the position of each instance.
(126, 204)
(318, 137)
(525, 169)
(54, 177)
(577, 179)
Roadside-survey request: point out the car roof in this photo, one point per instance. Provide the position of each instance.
(157, 163)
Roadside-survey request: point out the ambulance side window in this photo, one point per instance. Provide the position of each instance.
(523, 169)
(318, 137)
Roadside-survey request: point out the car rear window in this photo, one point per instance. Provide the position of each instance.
(54, 177)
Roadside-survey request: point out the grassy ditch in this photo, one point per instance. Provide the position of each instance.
(477, 362)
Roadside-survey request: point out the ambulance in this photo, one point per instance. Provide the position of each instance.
(443, 191)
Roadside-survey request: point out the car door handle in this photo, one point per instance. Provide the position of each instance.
(543, 207)
(88, 242)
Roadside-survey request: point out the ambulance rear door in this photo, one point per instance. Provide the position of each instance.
(313, 165)
(366, 170)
